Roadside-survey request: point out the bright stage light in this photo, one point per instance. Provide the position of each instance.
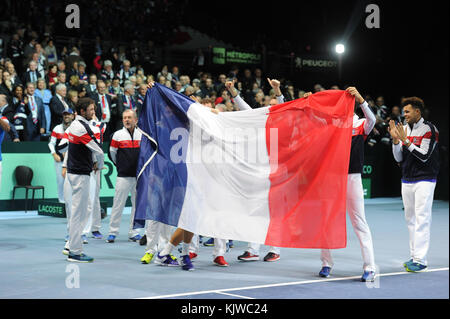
(340, 48)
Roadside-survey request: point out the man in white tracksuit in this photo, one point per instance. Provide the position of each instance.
(124, 152)
(252, 252)
(355, 194)
(84, 155)
(418, 155)
(56, 136)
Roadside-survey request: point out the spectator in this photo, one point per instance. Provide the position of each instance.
(207, 102)
(262, 83)
(207, 88)
(16, 53)
(247, 84)
(396, 115)
(125, 101)
(81, 72)
(7, 112)
(15, 80)
(318, 88)
(45, 95)
(178, 86)
(140, 96)
(301, 93)
(40, 66)
(107, 72)
(115, 88)
(20, 114)
(220, 84)
(175, 74)
(91, 88)
(32, 73)
(259, 100)
(224, 97)
(161, 79)
(35, 111)
(165, 72)
(334, 87)
(60, 79)
(125, 72)
(50, 52)
(6, 86)
(221, 107)
(189, 91)
(39, 56)
(58, 104)
(52, 75)
(290, 94)
(72, 99)
(105, 110)
(61, 66)
(382, 110)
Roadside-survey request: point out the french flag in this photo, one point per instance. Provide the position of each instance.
(274, 175)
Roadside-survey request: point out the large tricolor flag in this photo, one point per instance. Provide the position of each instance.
(275, 175)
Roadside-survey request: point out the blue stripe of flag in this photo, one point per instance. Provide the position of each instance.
(161, 187)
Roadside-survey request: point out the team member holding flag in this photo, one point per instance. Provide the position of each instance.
(355, 194)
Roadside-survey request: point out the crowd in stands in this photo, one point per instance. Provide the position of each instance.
(38, 81)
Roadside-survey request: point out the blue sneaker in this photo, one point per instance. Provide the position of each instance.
(186, 263)
(135, 238)
(80, 258)
(66, 251)
(325, 272)
(230, 244)
(166, 260)
(97, 235)
(84, 238)
(406, 263)
(416, 267)
(209, 242)
(111, 239)
(368, 276)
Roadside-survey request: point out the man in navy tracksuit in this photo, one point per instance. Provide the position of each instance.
(418, 156)
(124, 152)
(84, 155)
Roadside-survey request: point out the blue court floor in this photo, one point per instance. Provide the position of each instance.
(32, 265)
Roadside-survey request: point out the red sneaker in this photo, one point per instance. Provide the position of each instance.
(220, 261)
(247, 256)
(192, 255)
(272, 257)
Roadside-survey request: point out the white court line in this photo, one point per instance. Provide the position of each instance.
(233, 295)
(281, 284)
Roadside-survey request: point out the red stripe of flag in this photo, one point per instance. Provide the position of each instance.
(307, 196)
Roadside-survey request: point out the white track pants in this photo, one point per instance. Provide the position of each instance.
(124, 186)
(253, 248)
(158, 235)
(95, 215)
(79, 211)
(355, 210)
(59, 181)
(418, 201)
(67, 199)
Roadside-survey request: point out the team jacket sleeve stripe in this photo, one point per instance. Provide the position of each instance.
(426, 148)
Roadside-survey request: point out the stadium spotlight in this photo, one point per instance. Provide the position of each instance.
(340, 48)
